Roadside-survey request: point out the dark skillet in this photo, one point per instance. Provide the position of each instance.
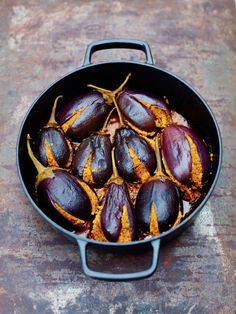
(148, 78)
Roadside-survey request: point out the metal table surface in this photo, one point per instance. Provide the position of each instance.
(40, 270)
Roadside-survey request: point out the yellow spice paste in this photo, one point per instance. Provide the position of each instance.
(71, 120)
(139, 168)
(49, 155)
(87, 172)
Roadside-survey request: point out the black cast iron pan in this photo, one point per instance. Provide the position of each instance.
(146, 77)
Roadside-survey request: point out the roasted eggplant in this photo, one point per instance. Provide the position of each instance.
(144, 112)
(185, 156)
(53, 146)
(62, 194)
(158, 204)
(115, 220)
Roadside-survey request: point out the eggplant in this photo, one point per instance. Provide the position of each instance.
(115, 220)
(92, 160)
(134, 156)
(185, 156)
(63, 195)
(53, 147)
(83, 115)
(144, 112)
(158, 205)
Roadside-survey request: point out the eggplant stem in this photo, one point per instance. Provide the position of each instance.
(114, 169)
(52, 121)
(107, 120)
(107, 94)
(119, 113)
(120, 88)
(159, 170)
(100, 89)
(39, 167)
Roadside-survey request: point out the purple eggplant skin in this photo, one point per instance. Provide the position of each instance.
(100, 147)
(63, 188)
(177, 154)
(91, 119)
(58, 144)
(164, 195)
(126, 138)
(132, 109)
(116, 198)
(81, 156)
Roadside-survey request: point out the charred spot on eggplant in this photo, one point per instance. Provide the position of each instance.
(53, 147)
(62, 193)
(92, 160)
(135, 158)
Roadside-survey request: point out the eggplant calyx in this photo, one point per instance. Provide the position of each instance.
(107, 94)
(43, 172)
(159, 170)
(115, 178)
(103, 131)
(52, 121)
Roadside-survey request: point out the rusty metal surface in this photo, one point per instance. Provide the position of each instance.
(40, 270)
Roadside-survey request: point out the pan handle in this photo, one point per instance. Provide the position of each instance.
(117, 43)
(114, 276)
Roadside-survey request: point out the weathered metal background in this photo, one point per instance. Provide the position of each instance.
(40, 270)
